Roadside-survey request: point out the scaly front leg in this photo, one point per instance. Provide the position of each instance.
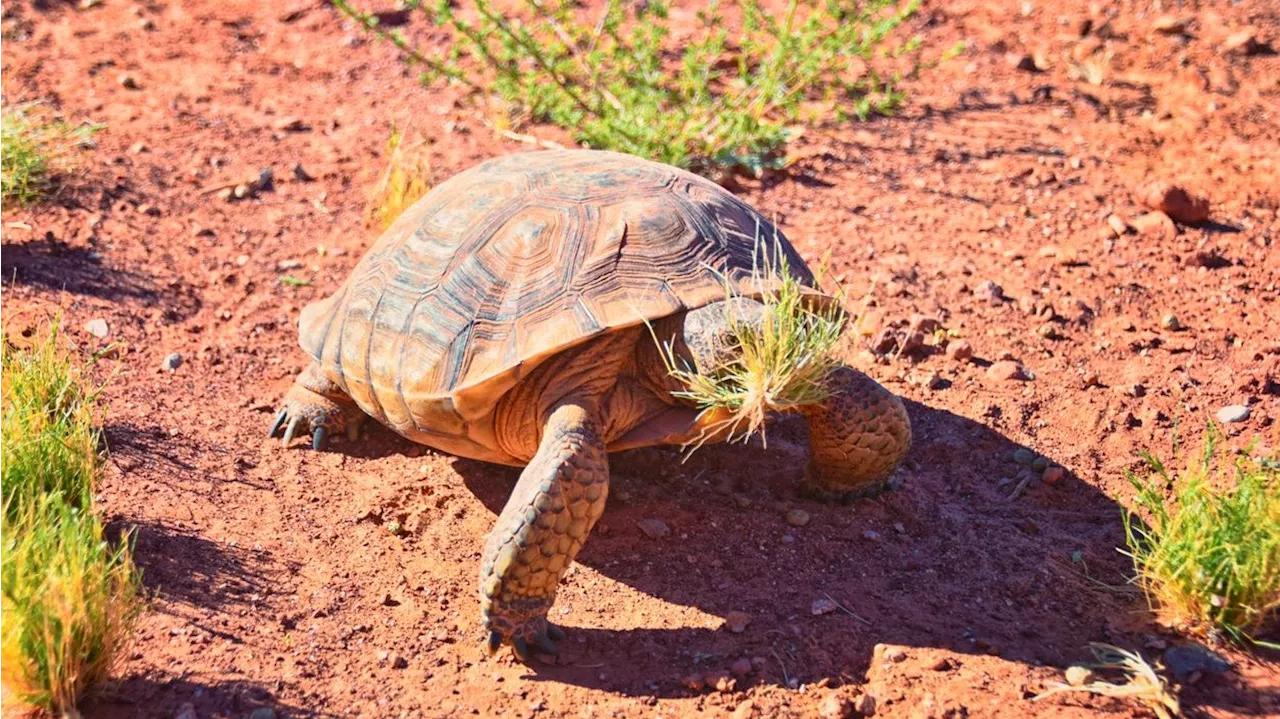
(317, 405)
(559, 497)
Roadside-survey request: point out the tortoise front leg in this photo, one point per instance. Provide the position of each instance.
(557, 501)
(858, 436)
(317, 405)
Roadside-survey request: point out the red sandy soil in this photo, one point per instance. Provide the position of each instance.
(275, 579)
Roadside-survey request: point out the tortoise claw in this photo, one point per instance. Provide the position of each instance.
(521, 648)
(495, 642)
(291, 430)
(546, 643)
(278, 423)
(318, 438)
(556, 633)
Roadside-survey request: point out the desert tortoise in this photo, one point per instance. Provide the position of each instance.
(507, 317)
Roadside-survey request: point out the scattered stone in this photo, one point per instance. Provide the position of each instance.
(265, 180)
(1040, 464)
(737, 622)
(959, 351)
(929, 380)
(225, 194)
(300, 173)
(654, 527)
(1191, 661)
(1170, 322)
(925, 324)
(186, 711)
(913, 344)
(127, 81)
(720, 681)
(942, 664)
(1053, 475)
(989, 291)
(1078, 676)
(98, 328)
(871, 535)
(263, 713)
(1209, 259)
(1024, 456)
(1174, 201)
(172, 362)
(1006, 370)
(1169, 25)
(399, 662)
(138, 148)
(290, 124)
(146, 23)
(895, 655)
(742, 667)
(797, 517)
(1245, 42)
(1118, 226)
(886, 342)
(865, 705)
(747, 710)
(286, 265)
(1091, 379)
(241, 191)
(835, 706)
(1155, 224)
(822, 605)
(1021, 61)
(1233, 413)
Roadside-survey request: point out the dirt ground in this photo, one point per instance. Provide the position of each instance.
(275, 578)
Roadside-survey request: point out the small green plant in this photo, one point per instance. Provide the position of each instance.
(69, 597)
(292, 281)
(34, 150)
(1141, 681)
(1208, 557)
(406, 178)
(727, 96)
(780, 364)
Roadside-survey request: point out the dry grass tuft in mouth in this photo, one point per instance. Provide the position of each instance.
(1141, 682)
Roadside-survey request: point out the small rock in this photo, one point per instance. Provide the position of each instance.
(989, 291)
(1245, 42)
(186, 711)
(1118, 225)
(835, 706)
(198, 231)
(865, 705)
(694, 682)
(654, 527)
(871, 535)
(742, 667)
(225, 194)
(172, 362)
(960, 351)
(913, 344)
(98, 328)
(127, 81)
(737, 622)
(1024, 456)
(1169, 25)
(720, 681)
(1155, 224)
(1006, 370)
(747, 710)
(1078, 676)
(886, 342)
(1233, 413)
(290, 124)
(1171, 323)
(399, 662)
(925, 324)
(146, 23)
(1209, 259)
(941, 664)
(1091, 379)
(1174, 201)
(138, 148)
(929, 380)
(300, 173)
(1039, 464)
(1021, 61)
(286, 265)
(1189, 661)
(241, 191)
(895, 655)
(265, 180)
(1053, 475)
(822, 605)
(797, 517)
(263, 713)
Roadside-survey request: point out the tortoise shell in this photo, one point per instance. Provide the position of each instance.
(515, 260)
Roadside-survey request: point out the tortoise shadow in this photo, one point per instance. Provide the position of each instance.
(963, 556)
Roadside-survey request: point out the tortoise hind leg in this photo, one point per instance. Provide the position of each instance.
(559, 497)
(317, 405)
(858, 436)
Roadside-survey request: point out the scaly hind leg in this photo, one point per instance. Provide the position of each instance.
(858, 436)
(317, 405)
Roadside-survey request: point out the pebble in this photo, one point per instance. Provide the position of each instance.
(241, 191)
(1039, 464)
(172, 362)
(1189, 661)
(300, 173)
(399, 662)
(265, 180)
(693, 682)
(1053, 475)
(286, 265)
(1118, 225)
(960, 351)
(1005, 370)
(1174, 201)
(895, 655)
(797, 517)
(1156, 224)
(913, 344)
(138, 148)
(1023, 62)
(737, 622)
(942, 664)
(925, 324)
(127, 81)
(746, 710)
(263, 713)
(720, 681)
(1024, 456)
(654, 527)
(98, 328)
(1171, 323)
(1244, 42)
(290, 124)
(146, 23)
(822, 605)
(835, 706)
(989, 291)
(1233, 413)
(1169, 25)
(929, 380)
(1078, 676)
(1091, 379)
(865, 705)
(742, 667)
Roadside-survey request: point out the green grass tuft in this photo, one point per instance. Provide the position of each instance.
(726, 97)
(780, 366)
(1208, 557)
(69, 597)
(34, 151)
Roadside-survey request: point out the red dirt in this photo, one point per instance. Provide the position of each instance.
(276, 581)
